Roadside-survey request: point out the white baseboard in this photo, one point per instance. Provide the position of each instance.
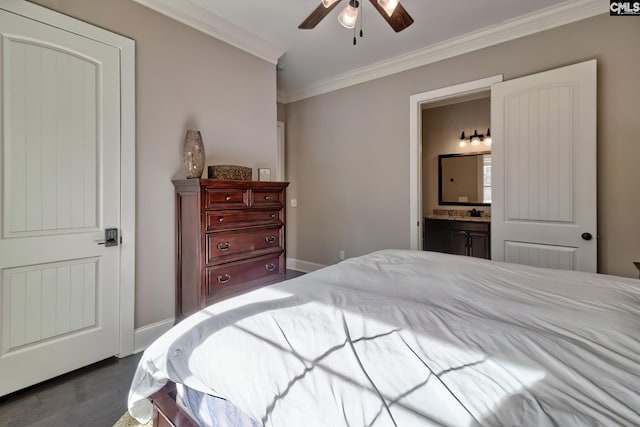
(144, 336)
(304, 266)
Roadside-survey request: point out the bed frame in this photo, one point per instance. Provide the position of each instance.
(167, 412)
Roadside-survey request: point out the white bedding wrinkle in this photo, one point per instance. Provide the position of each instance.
(406, 338)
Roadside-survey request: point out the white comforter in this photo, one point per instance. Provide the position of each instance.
(403, 338)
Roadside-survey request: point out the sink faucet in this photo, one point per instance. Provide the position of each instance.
(475, 213)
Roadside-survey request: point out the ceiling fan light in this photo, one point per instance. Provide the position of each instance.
(348, 16)
(389, 6)
(328, 3)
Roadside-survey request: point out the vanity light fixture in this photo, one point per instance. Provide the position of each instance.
(476, 138)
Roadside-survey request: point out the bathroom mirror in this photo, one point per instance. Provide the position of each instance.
(464, 179)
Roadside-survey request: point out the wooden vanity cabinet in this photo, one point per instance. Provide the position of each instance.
(458, 237)
(229, 239)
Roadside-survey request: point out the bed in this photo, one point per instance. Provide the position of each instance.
(406, 338)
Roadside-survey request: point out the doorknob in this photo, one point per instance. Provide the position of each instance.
(587, 236)
(110, 237)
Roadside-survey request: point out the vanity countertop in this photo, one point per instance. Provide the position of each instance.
(461, 218)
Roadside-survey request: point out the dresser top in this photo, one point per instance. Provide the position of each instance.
(227, 183)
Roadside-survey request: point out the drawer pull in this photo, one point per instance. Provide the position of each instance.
(270, 239)
(227, 198)
(224, 278)
(267, 197)
(220, 219)
(224, 246)
(273, 216)
(270, 267)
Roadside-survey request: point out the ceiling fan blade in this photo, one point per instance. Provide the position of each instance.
(399, 20)
(316, 16)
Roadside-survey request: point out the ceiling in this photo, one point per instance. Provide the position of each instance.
(323, 59)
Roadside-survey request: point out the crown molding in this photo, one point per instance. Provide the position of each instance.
(545, 19)
(209, 23)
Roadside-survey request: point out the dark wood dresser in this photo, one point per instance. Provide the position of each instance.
(229, 239)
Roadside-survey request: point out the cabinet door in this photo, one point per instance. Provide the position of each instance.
(479, 247)
(458, 244)
(436, 237)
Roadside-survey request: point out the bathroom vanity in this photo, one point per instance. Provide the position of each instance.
(459, 235)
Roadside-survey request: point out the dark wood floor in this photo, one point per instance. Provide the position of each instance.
(91, 396)
(94, 396)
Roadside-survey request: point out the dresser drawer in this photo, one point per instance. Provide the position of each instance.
(218, 219)
(218, 198)
(236, 273)
(266, 197)
(227, 244)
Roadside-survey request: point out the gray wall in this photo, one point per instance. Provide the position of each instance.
(184, 79)
(348, 150)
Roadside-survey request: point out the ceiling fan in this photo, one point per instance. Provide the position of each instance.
(391, 10)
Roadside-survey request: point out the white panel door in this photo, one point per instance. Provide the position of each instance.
(544, 169)
(60, 186)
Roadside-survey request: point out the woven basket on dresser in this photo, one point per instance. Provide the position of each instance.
(230, 172)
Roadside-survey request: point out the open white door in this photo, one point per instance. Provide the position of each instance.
(544, 209)
(60, 185)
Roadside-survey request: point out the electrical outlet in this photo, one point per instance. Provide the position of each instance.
(341, 254)
(294, 203)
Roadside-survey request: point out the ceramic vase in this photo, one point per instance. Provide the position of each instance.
(193, 154)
